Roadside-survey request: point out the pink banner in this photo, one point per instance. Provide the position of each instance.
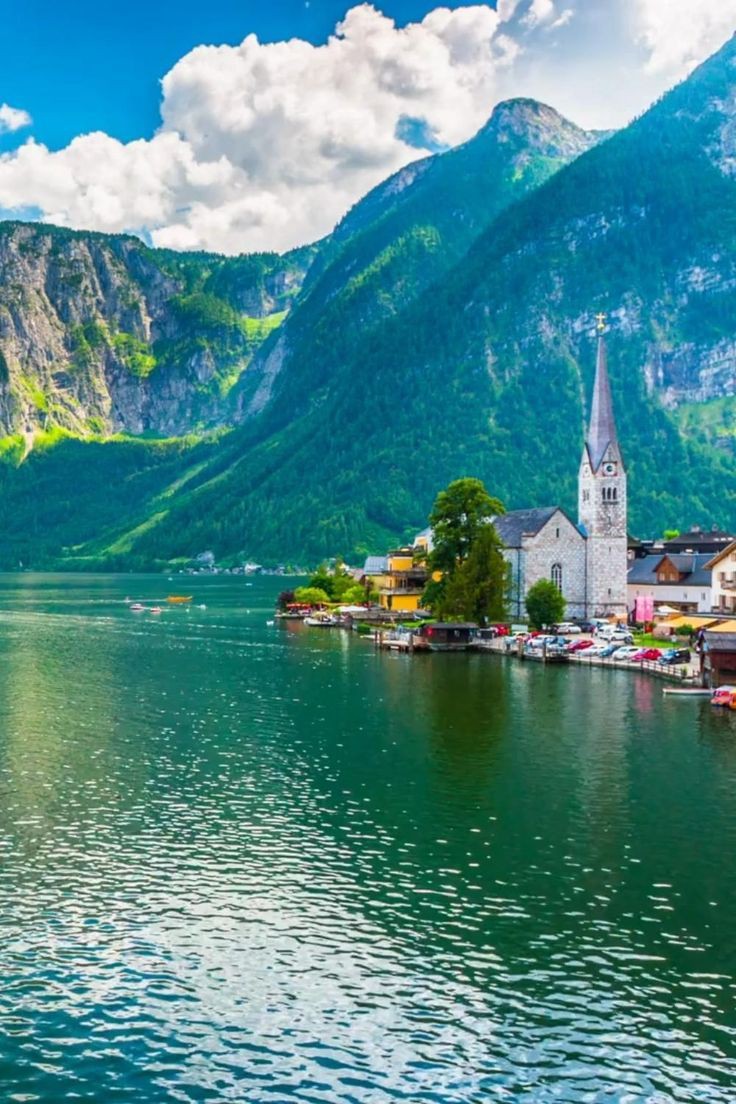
(644, 609)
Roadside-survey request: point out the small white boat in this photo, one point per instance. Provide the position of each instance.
(320, 622)
(687, 691)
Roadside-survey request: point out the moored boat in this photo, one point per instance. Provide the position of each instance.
(179, 599)
(724, 696)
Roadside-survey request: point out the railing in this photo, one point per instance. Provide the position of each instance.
(676, 672)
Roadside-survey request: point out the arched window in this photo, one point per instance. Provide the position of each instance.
(556, 575)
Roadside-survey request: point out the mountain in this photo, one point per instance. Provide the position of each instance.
(409, 231)
(444, 329)
(101, 334)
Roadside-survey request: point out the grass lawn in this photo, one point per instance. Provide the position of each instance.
(646, 640)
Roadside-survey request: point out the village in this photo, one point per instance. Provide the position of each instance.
(666, 606)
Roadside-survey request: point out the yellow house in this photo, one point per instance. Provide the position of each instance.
(399, 581)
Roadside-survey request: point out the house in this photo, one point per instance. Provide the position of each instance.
(722, 569)
(448, 636)
(718, 655)
(679, 580)
(700, 540)
(399, 580)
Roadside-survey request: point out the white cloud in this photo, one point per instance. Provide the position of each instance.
(265, 146)
(678, 34)
(13, 118)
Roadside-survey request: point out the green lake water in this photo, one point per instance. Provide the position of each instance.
(263, 863)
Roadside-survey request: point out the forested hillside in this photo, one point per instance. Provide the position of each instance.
(445, 330)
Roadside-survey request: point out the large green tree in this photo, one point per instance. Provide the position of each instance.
(478, 588)
(545, 604)
(459, 514)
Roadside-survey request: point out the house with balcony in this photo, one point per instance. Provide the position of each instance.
(399, 580)
(722, 569)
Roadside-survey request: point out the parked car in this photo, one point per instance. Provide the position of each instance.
(626, 652)
(607, 650)
(501, 630)
(675, 655)
(579, 645)
(569, 628)
(615, 634)
(649, 655)
(587, 626)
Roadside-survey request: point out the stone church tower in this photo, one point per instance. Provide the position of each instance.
(602, 502)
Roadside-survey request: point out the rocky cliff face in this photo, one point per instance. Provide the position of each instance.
(99, 334)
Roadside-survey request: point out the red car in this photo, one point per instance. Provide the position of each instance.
(501, 630)
(579, 645)
(652, 654)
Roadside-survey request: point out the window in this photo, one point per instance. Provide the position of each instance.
(556, 575)
(609, 494)
(557, 533)
(586, 496)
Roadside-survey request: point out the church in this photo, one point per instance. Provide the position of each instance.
(587, 560)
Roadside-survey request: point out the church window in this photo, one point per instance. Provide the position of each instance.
(586, 496)
(557, 533)
(556, 575)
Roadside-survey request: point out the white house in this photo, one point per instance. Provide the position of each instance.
(722, 569)
(680, 580)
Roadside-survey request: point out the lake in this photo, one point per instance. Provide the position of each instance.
(253, 862)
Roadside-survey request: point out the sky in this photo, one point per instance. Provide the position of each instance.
(239, 126)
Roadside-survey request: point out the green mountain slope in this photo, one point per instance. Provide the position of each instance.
(408, 232)
(404, 363)
(488, 371)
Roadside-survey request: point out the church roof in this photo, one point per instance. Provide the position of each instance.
(511, 527)
(602, 428)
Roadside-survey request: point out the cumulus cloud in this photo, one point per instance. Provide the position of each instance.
(265, 146)
(13, 118)
(680, 33)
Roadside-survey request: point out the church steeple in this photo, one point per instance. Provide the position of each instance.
(602, 428)
(602, 499)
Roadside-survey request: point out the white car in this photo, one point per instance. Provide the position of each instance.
(626, 652)
(567, 628)
(612, 636)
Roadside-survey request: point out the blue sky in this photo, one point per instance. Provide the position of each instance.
(164, 118)
(89, 65)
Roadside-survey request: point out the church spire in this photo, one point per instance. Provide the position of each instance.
(602, 428)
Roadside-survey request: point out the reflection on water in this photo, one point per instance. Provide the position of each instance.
(263, 863)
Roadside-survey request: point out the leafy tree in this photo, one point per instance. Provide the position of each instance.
(545, 604)
(478, 588)
(285, 598)
(670, 534)
(311, 596)
(458, 515)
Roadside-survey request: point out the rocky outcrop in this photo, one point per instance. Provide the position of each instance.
(100, 334)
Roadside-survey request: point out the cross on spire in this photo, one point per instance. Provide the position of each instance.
(600, 322)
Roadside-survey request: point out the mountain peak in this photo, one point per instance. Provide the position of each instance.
(538, 127)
